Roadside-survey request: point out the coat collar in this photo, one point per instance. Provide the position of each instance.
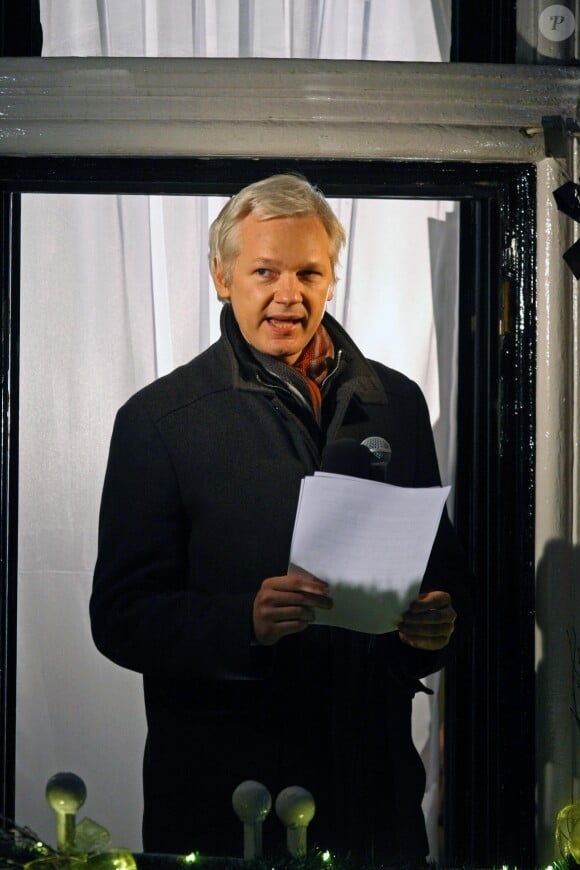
(356, 376)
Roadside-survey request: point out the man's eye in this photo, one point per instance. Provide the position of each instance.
(263, 273)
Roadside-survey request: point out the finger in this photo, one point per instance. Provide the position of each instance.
(431, 644)
(323, 602)
(313, 585)
(271, 624)
(292, 614)
(431, 601)
(296, 583)
(309, 599)
(285, 598)
(436, 634)
(434, 618)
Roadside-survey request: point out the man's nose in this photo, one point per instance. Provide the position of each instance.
(287, 289)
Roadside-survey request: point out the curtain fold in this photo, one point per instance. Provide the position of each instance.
(115, 292)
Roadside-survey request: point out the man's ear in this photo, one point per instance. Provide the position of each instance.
(330, 294)
(222, 289)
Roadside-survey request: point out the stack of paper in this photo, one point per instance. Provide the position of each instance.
(369, 541)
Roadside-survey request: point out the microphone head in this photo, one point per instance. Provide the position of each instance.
(379, 447)
(380, 454)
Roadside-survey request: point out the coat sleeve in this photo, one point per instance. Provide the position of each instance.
(143, 615)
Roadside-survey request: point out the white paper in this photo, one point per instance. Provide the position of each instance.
(369, 541)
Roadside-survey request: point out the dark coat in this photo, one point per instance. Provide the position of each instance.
(198, 508)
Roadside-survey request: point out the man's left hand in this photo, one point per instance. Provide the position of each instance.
(429, 621)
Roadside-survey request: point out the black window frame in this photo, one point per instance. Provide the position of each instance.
(490, 735)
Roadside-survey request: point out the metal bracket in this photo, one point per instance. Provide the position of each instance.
(558, 133)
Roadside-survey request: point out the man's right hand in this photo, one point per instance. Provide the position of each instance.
(286, 605)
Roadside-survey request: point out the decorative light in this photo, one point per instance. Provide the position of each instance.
(295, 807)
(568, 831)
(252, 802)
(65, 793)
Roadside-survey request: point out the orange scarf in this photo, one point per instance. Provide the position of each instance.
(313, 364)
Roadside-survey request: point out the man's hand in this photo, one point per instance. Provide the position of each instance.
(429, 622)
(285, 605)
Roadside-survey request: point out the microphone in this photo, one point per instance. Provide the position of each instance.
(381, 453)
(368, 460)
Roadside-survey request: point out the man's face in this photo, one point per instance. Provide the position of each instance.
(280, 282)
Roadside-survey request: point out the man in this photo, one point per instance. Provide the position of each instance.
(191, 585)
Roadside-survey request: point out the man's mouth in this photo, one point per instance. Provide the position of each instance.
(284, 324)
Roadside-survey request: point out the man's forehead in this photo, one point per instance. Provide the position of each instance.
(256, 227)
(263, 218)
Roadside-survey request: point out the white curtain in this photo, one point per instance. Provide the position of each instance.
(116, 291)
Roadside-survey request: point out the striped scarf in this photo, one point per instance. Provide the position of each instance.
(314, 364)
